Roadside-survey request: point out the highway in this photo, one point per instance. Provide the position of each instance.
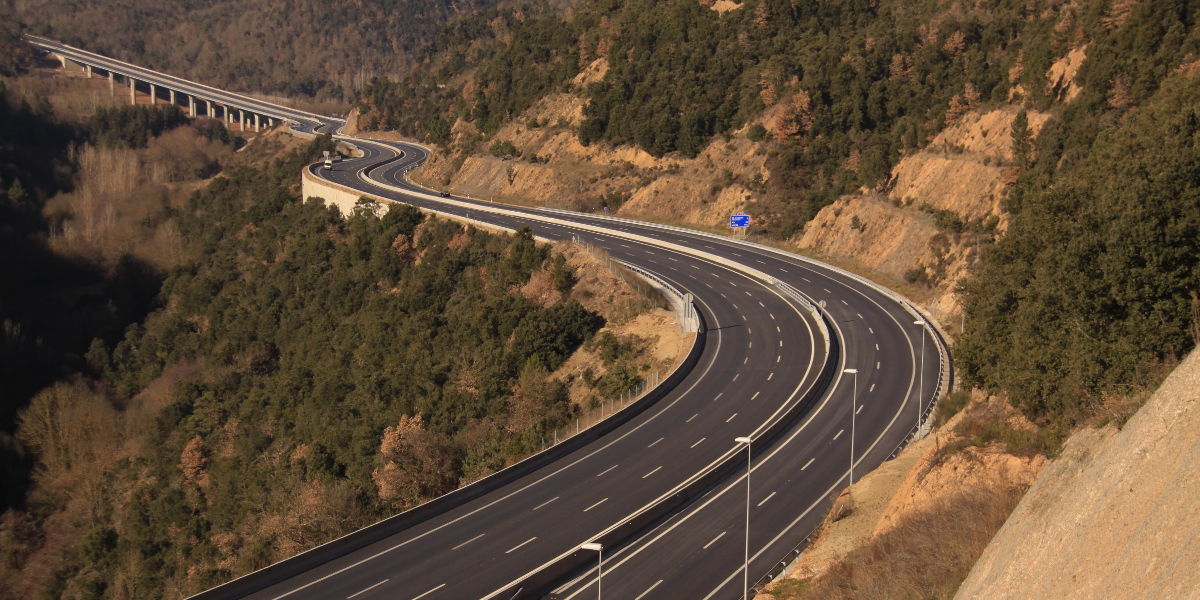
(765, 367)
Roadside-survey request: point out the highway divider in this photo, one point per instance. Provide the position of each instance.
(539, 582)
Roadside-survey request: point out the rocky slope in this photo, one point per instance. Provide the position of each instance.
(1116, 516)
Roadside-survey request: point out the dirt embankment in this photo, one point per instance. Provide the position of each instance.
(939, 208)
(630, 316)
(1116, 516)
(551, 167)
(932, 508)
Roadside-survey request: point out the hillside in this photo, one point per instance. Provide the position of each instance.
(1114, 517)
(205, 374)
(312, 50)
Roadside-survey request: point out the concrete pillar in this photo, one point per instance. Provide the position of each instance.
(62, 61)
(153, 94)
(87, 69)
(112, 85)
(191, 106)
(242, 114)
(132, 91)
(228, 115)
(208, 109)
(172, 96)
(257, 123)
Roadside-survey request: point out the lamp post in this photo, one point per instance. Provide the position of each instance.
(921, 377)
(598, 548)
(746, 547)
(853, 409)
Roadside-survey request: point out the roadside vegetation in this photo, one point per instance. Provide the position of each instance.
(203, 378)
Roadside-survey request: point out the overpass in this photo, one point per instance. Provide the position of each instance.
(826, 373)
(197, 99)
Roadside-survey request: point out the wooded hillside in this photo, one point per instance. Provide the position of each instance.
(319, 50)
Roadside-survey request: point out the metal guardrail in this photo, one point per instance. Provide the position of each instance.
(684, 304)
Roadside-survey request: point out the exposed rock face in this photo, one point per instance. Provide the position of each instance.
(1116, 516)
(966, 171)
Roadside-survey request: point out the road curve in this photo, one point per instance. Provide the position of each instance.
(763, 354)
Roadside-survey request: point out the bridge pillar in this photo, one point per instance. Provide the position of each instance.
(208, 109)
(153, 94)
(112, 85)
(242, 114)
(87, 69)
(257, 123)
(172, 96)
(62, 61)
(132, 91)
(191, 106)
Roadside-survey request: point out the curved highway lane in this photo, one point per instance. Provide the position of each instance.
(762, 352)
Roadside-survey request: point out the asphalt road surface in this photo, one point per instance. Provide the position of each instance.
(763, 352)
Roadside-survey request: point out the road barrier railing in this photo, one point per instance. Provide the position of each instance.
(544, 578)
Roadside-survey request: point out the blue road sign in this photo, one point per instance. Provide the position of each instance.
(739, 220)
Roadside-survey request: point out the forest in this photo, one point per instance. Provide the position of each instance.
(315, 51)
(1092, 292)
(284, 376)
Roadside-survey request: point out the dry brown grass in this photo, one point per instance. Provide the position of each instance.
(927, 555)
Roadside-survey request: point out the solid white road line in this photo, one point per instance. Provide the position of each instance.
(810, 461)
(655, 443)
(429, 592)
(595, 505)
(519, 545)
(545, 503)
(652, 472)
(367, 589)
(714, 540)
(471, 540)
(839, 433)
(648, 590)
(764, 500)
(606, 471)
(698, 441)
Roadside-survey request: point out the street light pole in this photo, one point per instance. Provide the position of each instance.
(921, 377)
(746, 547)
(853, 409)
(595, 547)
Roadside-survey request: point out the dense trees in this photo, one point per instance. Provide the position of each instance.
(379, 361)
(313, 49)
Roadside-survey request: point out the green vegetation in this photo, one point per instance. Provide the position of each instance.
(294, 376)
(133, 126)
(1093, 286)
(318, 50)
